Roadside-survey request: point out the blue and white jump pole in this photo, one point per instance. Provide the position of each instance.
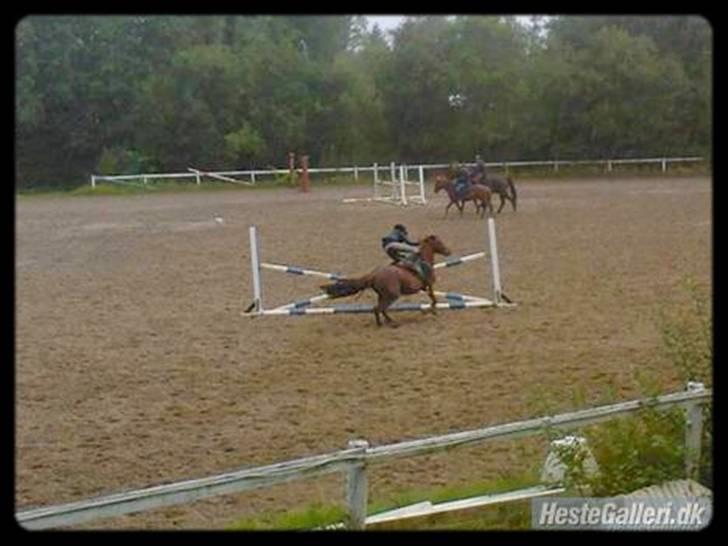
(302, 307)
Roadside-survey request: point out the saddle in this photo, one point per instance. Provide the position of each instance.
(419, 267)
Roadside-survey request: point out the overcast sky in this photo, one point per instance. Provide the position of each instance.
(390, 22)
(385, 22)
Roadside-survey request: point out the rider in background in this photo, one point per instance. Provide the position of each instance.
(480, 173)
(462, 181)
(397, 245)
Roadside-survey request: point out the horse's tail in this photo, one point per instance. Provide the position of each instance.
(513, 192)
(348, 287)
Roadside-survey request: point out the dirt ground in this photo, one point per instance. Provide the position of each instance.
(134, 366)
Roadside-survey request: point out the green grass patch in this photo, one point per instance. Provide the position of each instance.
(514, 515)
(313, 516)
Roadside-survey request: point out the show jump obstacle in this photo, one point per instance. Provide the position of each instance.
(394, 190)
(304, 306)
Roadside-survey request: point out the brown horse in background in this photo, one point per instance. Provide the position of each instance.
(478, 194)
(392, 281)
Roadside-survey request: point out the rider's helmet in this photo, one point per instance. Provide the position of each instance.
(400, 227)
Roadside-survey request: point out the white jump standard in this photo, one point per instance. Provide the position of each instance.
(394, 191)
(304, 306)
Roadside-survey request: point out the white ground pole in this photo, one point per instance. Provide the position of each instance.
(494, 261)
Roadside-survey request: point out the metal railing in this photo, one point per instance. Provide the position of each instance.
(354, 461)
(355, 170)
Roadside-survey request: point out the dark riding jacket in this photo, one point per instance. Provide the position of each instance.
(396, 236)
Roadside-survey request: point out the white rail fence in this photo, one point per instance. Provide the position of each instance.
(355, 462)
(197, 174)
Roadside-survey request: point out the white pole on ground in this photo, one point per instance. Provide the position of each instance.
(356, 172)
(252, 177)
(392, 171)
(255, 265)
(197, 177)
(93, 181)
(494, 261)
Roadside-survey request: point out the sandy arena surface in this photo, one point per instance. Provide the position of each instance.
(134, 366)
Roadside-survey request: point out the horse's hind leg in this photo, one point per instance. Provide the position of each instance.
(502, 203)
(376, 315)
(383, 302)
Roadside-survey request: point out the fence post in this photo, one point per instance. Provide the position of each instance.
(93, 181)
(664, 164)
(402, 187)
(609, 165)
(376, 181)
(356, 172)
(305, 184)
(556, 166)
(356, 486)
(422, 184)
(693, 432)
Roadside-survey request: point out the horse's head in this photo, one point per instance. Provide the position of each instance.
(441, 182)
(437, 246)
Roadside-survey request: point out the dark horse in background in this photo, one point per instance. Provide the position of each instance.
(394, 280)
(504, 187)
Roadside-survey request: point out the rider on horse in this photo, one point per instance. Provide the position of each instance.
(405, 252)
(479, 172)
(462, 181)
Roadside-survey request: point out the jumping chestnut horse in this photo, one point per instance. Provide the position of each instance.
(478, 194)
(392, 281)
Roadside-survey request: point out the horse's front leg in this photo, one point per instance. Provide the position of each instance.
(447, 208)
(431, 293)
